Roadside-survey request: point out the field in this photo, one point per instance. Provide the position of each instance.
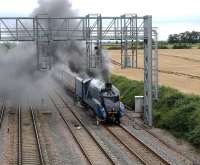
(179, 69)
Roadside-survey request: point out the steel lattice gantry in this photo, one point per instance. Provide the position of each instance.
(95, 30)
(92, 29)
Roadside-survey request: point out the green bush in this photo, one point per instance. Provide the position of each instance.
(163, 46)
(113, 47)
(174, 111)
(181, 46)
(128, 89)
(8, 45)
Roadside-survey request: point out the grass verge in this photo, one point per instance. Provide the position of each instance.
(174, 111)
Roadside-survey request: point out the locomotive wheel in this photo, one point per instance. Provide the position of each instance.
(97, 121)
(82, 103)
(117, 121)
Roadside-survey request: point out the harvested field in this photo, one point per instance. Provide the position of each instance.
(179, 69)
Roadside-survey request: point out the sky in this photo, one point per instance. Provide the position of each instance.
(171, 16)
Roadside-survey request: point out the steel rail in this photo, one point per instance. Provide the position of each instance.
(19, 144)
(138, 156)
(72, 133)
(143, 144)
(143, 127)
(87, 130)
(126, 146)
(2, 114)
(37, 136)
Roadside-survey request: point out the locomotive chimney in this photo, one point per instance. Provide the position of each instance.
(108, 86)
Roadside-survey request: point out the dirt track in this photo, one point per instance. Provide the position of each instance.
(179, 69)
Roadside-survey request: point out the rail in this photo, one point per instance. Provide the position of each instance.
(87, 130)
(2, 114)
(72, 133)
(19, 144)
(143, 144)
(37, 136)
(126, 146)
(145, 128)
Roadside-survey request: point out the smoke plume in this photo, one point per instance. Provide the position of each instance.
(19, 75)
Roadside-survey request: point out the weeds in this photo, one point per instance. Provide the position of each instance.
(174, 111)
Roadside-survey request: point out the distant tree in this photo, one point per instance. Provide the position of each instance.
(8, 45)
(185, 37)
(173, 38)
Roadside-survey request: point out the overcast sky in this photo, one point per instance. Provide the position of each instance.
(171, 16)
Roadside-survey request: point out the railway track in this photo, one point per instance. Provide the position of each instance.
(90, 147)
(13, 136)
(139, 155)
(167, 153)
(28, 146)
(19, 140)
(37, 137)
(164, 71)
(135, 145)
(3, 107)
(158, 140)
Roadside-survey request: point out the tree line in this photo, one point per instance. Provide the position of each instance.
(185, 37)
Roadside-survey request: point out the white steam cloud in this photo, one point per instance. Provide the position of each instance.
(19, 75)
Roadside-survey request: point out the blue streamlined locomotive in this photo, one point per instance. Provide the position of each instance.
(103, 98)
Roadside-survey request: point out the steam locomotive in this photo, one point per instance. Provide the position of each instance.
(100, 97)
(103, 98)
